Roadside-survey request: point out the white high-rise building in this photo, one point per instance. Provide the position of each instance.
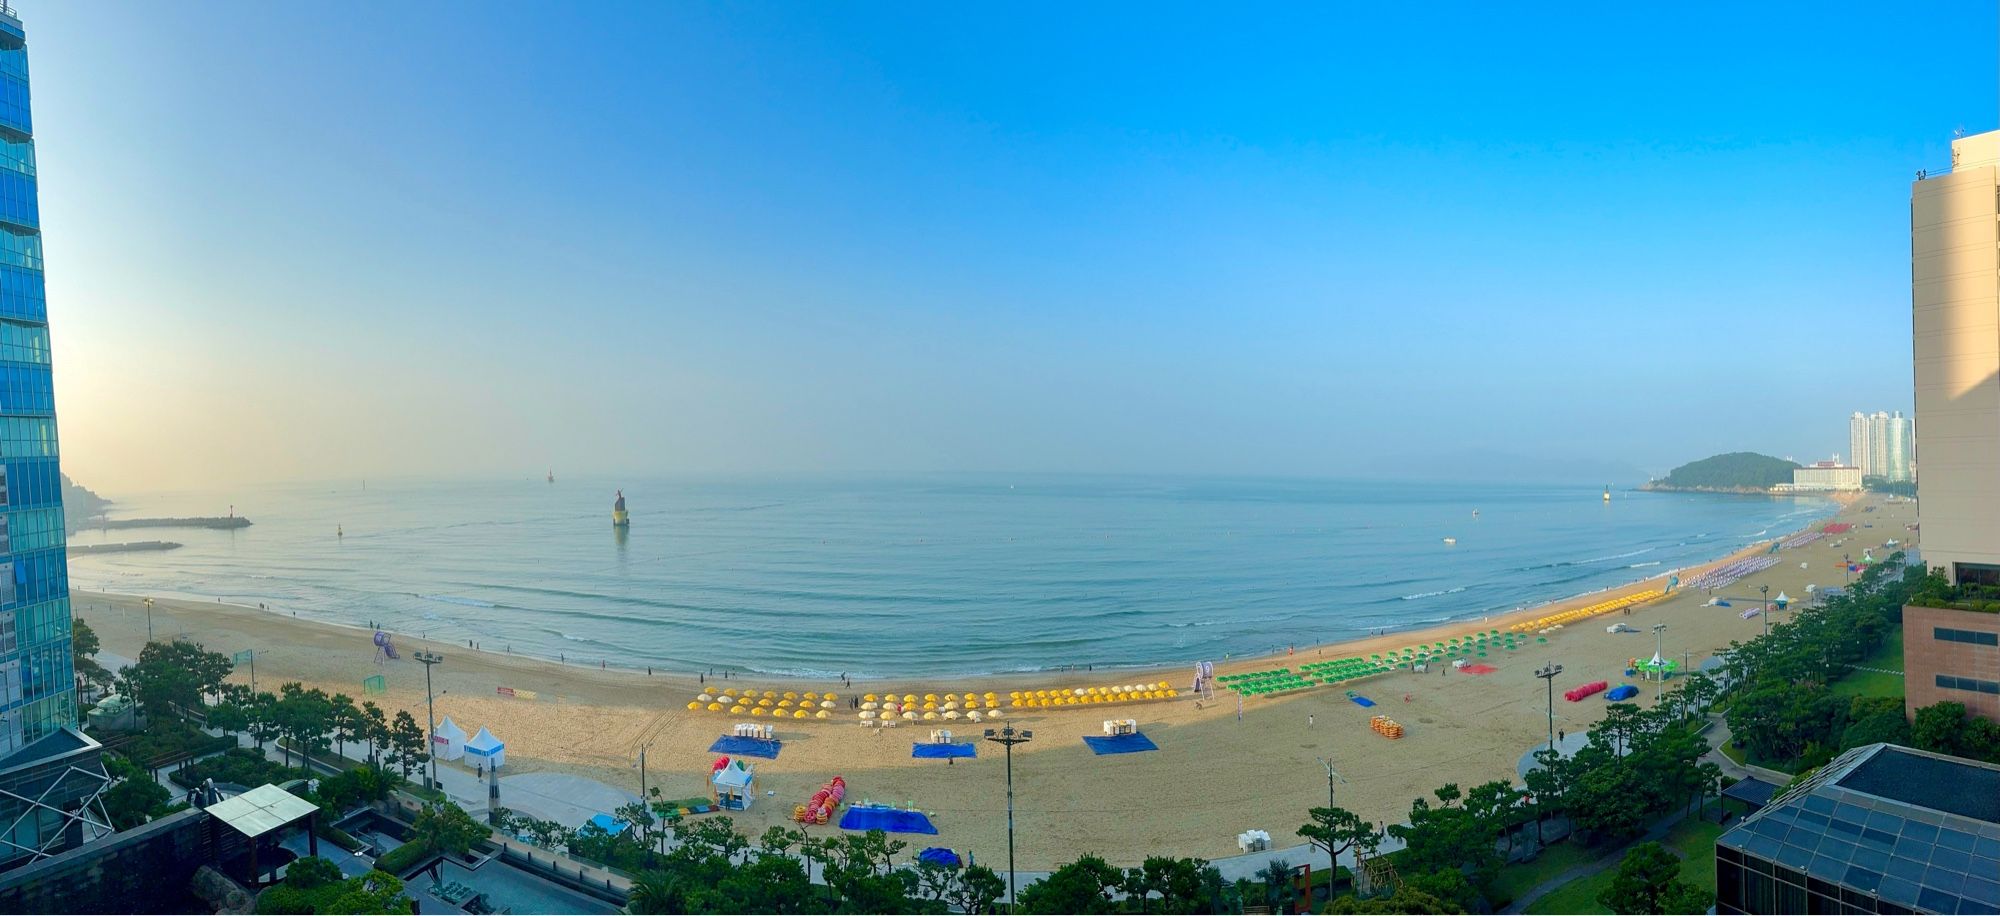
(1881, 444)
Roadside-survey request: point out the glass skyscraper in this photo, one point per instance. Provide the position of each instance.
(49, 772)
(37, 686)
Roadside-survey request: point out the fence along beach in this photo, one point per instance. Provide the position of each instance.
(1212, 777)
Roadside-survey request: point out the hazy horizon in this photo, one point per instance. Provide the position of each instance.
(287, 245)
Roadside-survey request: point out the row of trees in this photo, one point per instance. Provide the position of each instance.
(1784, 709)
(1640, 764)
(1782, 706)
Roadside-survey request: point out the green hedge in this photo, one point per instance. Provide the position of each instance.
(398, 860)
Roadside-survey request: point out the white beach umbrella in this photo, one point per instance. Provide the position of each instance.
(910, 716)
(951, 713)
(868, 714)
(871, 706)
(995, 714)
(974, 715)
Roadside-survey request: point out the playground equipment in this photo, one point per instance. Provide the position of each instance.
(819, 809)
(1385, 726)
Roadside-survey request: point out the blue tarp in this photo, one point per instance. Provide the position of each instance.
(746, 747)
(1621, 692)
(1123, 744)
(940, 856)
(936, 751)
(1362, 701)
(887, 820)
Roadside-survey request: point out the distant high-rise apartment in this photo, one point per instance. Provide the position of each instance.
(1955, 324)
(48, 769)
(1881, 444)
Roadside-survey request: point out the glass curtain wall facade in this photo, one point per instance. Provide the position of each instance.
(37, 685)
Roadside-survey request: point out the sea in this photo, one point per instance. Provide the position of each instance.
(915, 575)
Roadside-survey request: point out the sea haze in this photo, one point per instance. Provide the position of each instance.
(917, 575)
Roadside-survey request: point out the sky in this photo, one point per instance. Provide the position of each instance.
(302, 241)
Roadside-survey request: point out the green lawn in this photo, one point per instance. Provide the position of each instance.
(1515, 880)
(1871, 684)
(1693, 840)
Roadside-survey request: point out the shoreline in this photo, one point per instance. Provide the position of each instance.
(1226, 663)
(1221, 767)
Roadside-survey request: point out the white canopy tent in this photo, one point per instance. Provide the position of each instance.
(486, 750)
(735, 786)
(448, 742)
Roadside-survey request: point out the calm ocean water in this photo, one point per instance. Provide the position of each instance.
(917, 576)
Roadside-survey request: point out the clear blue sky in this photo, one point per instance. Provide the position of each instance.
(307, 240)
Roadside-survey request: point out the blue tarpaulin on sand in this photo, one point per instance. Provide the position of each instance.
(1122, 744)
(746, 747)
(887, 820)
(940, 856)
(1362, 701)
(1621, 692)
(936, 751)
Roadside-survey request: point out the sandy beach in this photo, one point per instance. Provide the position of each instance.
(1213, 777)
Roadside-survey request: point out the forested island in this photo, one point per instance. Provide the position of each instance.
(1735, 472)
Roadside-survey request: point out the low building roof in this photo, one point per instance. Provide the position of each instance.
(1752, 791)
(261, 810)
(1910, 827)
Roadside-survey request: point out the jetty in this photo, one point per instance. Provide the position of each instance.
(127, 547)
(224, 522)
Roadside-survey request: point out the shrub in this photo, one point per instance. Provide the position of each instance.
(402, 858)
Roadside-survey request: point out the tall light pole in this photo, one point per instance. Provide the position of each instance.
(149, 618)
(430, 658)
(1765, 590)
(1333, 862)
(1010, 737)
(1548, 674)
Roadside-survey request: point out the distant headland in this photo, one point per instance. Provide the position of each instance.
(1735, 472)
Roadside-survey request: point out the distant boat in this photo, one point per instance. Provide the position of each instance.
(618, 517)
(1607, 492)
(1450, 541)
(552, 475)
(337, 532)
(1475, 513)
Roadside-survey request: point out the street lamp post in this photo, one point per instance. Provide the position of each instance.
(1548, 674)
(1765, 591)
(429, 658)
(149, 620)
(1333, 862)
(1010, 737)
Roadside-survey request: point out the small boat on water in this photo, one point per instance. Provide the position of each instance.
(1607, 492)
(618, 517)
(552, 475)
(1450, 541)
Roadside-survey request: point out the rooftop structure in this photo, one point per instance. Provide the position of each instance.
(1881, 829)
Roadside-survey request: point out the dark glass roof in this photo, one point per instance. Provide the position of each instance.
(1917, 829)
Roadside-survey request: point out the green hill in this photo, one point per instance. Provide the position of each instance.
(1733, 471)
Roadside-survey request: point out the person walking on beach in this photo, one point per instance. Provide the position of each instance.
(1309, 720)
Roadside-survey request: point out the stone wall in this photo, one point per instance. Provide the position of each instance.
(148, 869)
